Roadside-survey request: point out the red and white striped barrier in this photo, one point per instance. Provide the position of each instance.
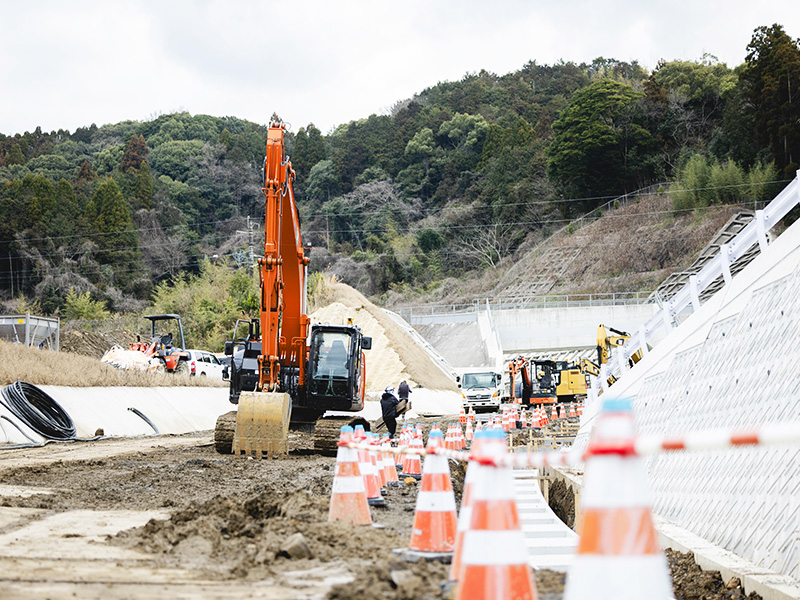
(715, 439)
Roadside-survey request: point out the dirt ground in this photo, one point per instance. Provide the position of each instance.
(221, 524)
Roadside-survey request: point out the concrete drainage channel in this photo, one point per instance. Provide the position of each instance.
(112, 412)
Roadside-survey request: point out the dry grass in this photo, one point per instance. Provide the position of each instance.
(44, 367)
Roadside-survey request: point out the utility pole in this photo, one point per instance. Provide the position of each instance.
(250, 240)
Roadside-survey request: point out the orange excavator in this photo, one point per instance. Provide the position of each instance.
(283, 371)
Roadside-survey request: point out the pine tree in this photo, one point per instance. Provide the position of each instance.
(110, 217)
(135, 153)
(773, 73)
(144, 187)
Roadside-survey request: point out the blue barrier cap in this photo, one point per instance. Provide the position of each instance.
(347, 429)
(617, 405)
(435, 433)
(493, 434)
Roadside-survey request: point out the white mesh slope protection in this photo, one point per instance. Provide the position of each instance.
(732, 364)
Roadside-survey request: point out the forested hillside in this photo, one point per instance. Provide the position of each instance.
(452, 183)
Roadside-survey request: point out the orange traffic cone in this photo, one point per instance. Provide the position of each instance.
(524, 419)
(449, 438)
(377, 461)
(506, 421)
(562, 412)
(368, 471)
(618, 554)
(580, 409)
(349, 496)
(572, 410)
(554, 414)
(389, 469)
(465, 513)
(494, 557)
(472, 414)
(460, 440)
(403, 441)
(413, 466)
(462, 416)
(434, 532)
(469, 435)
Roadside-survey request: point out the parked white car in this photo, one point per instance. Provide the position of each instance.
(204, 364)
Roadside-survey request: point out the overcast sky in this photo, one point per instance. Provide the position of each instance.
(66, 64)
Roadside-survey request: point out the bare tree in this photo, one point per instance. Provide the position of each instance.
(487, 245)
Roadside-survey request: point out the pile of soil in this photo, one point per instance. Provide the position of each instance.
(690, 582)
(94, 343)
(395, 355)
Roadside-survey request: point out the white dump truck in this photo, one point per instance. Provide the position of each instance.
(481, 388)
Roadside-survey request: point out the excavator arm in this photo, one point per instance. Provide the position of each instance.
(284, 322)
(606, 338)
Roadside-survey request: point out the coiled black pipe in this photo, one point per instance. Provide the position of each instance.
(38, 411)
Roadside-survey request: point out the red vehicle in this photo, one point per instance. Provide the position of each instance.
(162, 347)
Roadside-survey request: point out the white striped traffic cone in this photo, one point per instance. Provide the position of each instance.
(494, 563)
(618, 554)
(434, 532)
(349, 496)
(465, 513)
(389, 468)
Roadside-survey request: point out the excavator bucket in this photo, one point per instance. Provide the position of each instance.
(262, 425)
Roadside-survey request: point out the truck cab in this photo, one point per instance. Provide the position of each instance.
(481, 389)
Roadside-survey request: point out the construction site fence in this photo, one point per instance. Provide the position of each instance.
(707, 440)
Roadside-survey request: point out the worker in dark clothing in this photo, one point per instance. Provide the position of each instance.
(403, 390)
(389, 409)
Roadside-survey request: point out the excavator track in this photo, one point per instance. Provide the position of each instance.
(327, 430)
(224, 432)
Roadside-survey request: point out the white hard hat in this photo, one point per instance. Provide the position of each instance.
(389, 390)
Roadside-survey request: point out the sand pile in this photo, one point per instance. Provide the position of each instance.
(394, 355)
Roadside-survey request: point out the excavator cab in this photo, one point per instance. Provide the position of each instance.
(243, 350)
(336, 368)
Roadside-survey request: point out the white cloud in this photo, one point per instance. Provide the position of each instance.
(64, 65)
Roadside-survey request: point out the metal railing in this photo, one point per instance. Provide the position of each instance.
(687, 299)
(527, 302)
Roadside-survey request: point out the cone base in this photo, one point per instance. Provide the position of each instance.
(409, 555)
(376, 501)
(622, 577)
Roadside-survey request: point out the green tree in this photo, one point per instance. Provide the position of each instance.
(309, 149)
(429, 239)
(599, 143)
(109, 216)
(144, 186)
(323, 182)
(15, 156)
(773, 74)
(81, 306)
